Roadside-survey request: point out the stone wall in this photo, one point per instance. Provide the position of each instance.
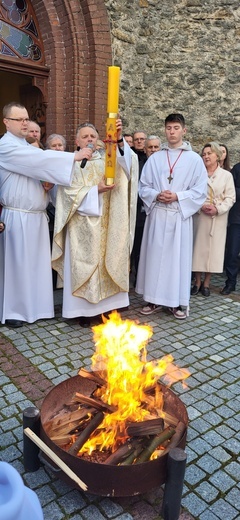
(179, 55)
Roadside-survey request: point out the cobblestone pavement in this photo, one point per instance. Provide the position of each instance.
(38, 356)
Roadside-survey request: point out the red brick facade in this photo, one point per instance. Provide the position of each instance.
(77, 48)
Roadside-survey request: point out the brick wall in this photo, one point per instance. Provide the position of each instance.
(77, 47)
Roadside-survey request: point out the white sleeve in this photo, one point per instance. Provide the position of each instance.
(125, 161)
(91, 206)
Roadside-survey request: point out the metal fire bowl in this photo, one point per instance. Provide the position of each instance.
(102, 479)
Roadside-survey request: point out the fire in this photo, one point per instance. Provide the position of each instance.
(121, 360)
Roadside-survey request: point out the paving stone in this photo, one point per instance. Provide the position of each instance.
(53, 512)
(194, 504)
(233, 497)
(72, 502)
(208, 463)
(207, 515)
(194, 475)
(220, 454)
(110, 508)
(207, 492)
(222, 481)
(91, 512)
(45, 495)
(224, 510)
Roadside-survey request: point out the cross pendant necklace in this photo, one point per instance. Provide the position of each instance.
(170, 178)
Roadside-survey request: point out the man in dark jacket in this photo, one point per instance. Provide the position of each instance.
(233, 238)
(139, 140)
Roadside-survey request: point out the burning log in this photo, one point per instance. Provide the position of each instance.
(133, 455)
(169, 420)
(84, 436)
(123, 452)
(93, 376)
(144, 428)
(154, 443)
(95, 403)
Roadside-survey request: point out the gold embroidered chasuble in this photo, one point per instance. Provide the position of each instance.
(100, 246)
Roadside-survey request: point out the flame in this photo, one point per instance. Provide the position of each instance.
(121, 360)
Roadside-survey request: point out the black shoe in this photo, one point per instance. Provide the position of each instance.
(195, 290)
(15, 324)
(227, 289)
(84, 321)
(205, 291)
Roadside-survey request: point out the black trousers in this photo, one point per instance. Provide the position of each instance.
(232, 254)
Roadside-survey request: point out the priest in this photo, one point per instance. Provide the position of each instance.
(94, 230)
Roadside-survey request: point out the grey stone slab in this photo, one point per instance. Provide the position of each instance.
(194, 504)
(222, 481)
(224, 510)
(110, 508)
(194, 474)
(233, 497)
(72, 502)
(53, 512)
(207, 515)
(208, 463)
(91, 512)
(220, 454)
(207, 492)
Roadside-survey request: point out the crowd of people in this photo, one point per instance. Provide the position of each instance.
(165, 218)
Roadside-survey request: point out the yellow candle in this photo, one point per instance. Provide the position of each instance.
(111, 132)
(113, 90)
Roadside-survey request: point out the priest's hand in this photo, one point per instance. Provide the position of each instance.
(2, 227)
(47, 185)
(119, 130)
(102, 186)
(167, 197)
(84, 153)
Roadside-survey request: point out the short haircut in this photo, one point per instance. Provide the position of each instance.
(84, 125)
(55, 136)
(215, 147)
(139, 132)
(150, 137)
(36, 123)
(7, 108)
(175, 118)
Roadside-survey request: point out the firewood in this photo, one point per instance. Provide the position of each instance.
(61, 440)
(133, 455)
(154, 443)
(64, 423)
(84, 436)
(144, 428)
(120, 454)
(180, 429)
(169, 420)
(93, 376)
(95, 403)
(34, 438)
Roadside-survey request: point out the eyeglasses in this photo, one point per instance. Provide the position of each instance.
(19, 119)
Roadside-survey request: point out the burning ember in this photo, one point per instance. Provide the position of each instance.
(122, 421)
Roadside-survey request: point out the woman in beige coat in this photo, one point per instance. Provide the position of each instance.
(210, 223)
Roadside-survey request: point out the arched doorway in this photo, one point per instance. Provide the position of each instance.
(67, 64)
(22, 60)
